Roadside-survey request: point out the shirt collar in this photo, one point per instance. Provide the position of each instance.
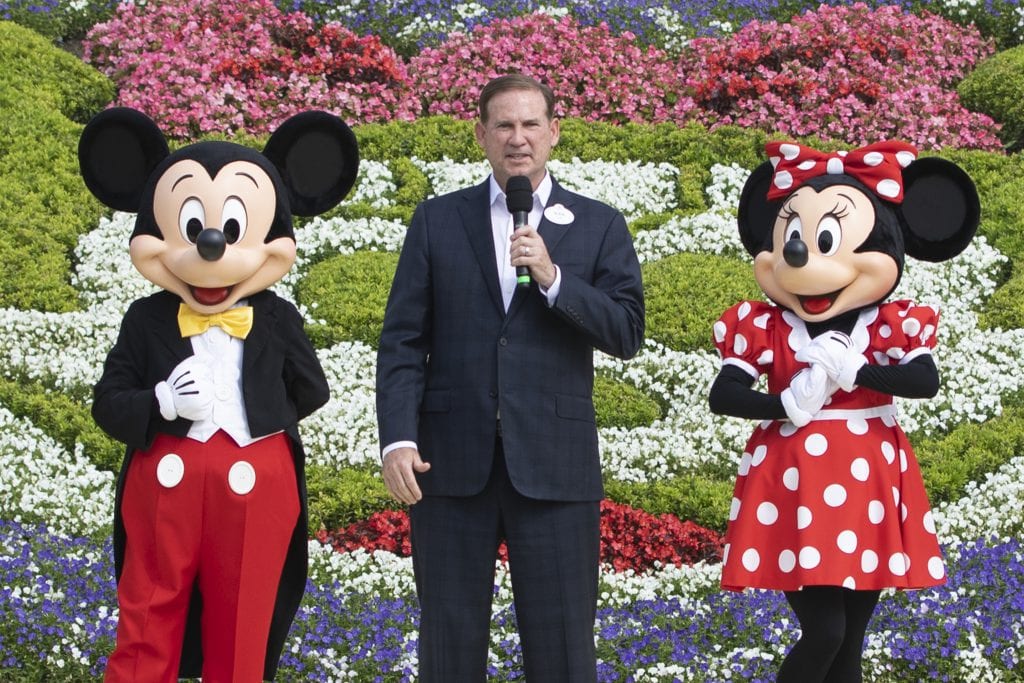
(541, 194)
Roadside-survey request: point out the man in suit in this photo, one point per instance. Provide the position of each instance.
(485, 397)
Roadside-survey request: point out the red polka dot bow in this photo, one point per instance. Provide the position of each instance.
(879, 166)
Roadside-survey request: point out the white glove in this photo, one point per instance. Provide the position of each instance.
(188, 391)
(835, 352)
(806, 394)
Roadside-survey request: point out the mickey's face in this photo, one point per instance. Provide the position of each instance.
(213, 250)
(813, 268)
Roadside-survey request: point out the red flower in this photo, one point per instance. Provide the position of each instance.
(630, 538)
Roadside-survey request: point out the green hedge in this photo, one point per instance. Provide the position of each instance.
(45, 95)
(996, 88)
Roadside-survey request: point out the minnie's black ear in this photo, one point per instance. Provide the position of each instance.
(756, 215)
(117, 152)
(318, 158)
(940, 210)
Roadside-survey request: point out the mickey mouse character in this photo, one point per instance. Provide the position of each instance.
(829, 505)
(206, 384)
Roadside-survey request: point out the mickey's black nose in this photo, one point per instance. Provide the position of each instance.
(211, 244)
(795, 253)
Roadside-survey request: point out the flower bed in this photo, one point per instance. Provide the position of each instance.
(662, 616)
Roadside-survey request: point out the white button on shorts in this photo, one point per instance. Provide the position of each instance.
(241, 477)
(170, 470)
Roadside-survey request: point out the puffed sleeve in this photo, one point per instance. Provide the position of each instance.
(743, 336)
(905, 331)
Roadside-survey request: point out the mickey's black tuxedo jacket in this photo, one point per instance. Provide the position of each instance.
(282, 382)
(450, 357)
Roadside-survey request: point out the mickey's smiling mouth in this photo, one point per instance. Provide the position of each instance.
(816, 304)
(210, 296)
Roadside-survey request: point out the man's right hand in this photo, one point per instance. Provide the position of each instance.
(399, 472)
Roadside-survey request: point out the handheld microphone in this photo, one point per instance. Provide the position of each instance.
(519, 201)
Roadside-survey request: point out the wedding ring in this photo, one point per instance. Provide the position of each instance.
(526, 251)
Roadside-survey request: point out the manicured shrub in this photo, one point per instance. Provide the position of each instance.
(340, 497)
(996, 88)
(44, 206)
(66, 420)
(618, 404)
(243, 65)
(349, 293)
(686, 294)
(847, 73)
(701, 499)
(968, 453)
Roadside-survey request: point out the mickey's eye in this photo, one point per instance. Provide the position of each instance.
(830, 235)
(191, 219)
(235, 220)
(794, 228)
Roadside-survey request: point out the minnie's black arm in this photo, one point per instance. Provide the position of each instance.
(731, 394)
(917, 379)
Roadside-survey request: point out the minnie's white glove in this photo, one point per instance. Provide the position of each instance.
(806, 394)
(188, 391)
(835, 352)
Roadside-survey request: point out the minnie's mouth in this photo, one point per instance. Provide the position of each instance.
(210, 296)
(818, 303)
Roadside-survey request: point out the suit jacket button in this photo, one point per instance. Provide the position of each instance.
(492, 393)
(242, 477)
(503, 341)
(170, 470)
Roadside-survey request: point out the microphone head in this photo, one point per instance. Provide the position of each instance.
(518, 194)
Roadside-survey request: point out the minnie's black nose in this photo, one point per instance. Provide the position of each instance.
(211, 244)
(795, 253)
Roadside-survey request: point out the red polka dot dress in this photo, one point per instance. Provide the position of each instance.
(840, 501)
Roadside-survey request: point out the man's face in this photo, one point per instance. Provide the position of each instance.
(518, 135)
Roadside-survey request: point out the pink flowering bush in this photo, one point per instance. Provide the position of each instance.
(595, 75)
(849, 73)
(242, 65)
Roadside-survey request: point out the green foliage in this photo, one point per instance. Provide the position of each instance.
(64, 420)
(968, 453)
(696, 498)
(1000, 183)
(686, 293)
(44, 206)
(431, 138)
(349, 293)
(339, 497)
(618, 404)
(996, 88)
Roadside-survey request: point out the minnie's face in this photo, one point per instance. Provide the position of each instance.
(813, 268)
(213, 250)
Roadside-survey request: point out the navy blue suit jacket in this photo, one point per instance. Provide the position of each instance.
(450, 357)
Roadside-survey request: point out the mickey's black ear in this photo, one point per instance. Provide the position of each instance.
(318, 158)
(117, 152)
(940, 209)
(756, 216)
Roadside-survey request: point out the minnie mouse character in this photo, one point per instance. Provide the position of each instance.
(206, 384)
(829, 505)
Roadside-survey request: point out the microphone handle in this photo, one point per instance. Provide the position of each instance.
(519, 220)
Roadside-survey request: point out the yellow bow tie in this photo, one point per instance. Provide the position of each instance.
(235, 321)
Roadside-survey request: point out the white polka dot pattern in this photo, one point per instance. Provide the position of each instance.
(839, 501)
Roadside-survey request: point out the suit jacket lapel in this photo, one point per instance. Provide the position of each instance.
(550, 231)
(476, 221)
